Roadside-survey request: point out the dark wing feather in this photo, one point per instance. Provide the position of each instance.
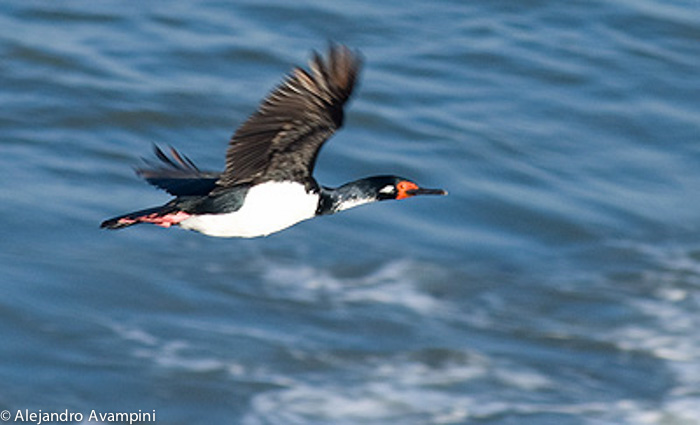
(178, 175)
(281, 140)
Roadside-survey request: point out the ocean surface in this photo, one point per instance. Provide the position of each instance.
(558, 283)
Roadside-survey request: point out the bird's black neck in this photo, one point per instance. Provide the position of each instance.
(349, 195)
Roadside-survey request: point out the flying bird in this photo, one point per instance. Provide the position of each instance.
(268, 184)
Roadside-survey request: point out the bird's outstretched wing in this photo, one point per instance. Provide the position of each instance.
(177, 174)
(281, 140)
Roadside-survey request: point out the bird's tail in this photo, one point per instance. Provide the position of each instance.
(164, 216)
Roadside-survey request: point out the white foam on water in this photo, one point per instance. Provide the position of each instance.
(183, 355)
(383, 403)
(396, 283)
(673, 307)
(406, 389)
(167, 354)
(464, 387)
(133, 334)
(676, 411)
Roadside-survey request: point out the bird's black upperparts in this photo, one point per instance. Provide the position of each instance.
(268, 182)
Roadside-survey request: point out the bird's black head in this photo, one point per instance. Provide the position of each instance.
(370, 189)
(394, 187)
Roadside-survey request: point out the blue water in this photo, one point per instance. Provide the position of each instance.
(558, 283)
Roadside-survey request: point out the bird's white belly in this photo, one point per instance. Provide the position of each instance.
(268, 208)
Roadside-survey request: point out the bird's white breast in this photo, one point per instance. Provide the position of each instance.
(267, 208)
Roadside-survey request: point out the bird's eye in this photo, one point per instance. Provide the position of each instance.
(387, 189)
(403, 186)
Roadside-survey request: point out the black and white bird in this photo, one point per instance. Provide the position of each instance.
(268, 182)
